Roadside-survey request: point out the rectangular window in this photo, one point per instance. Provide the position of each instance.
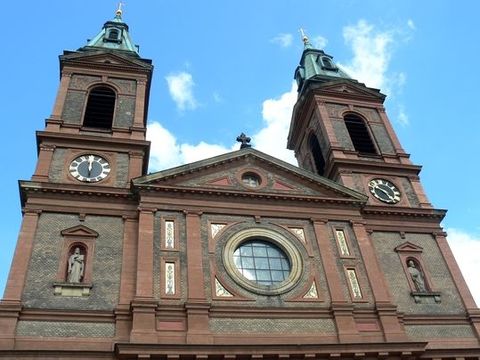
(354, 285)
(169, 278)
(169, 234)
(342, 242)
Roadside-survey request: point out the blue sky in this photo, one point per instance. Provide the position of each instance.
(223, 67)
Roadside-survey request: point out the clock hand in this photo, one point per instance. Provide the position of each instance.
(386, 193)
(90, 164)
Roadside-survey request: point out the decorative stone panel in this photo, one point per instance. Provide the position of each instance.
(65, 329)
(44, 264)
(292, 326)
(392, 267)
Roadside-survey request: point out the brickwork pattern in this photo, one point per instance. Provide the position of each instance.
(269, 326)
(126, 86)
(425, 332)
(407, 189)
(82, 82)
(341, 132)
(385, 243)
(57, 167)
(73, 107)
(271, 224)
(122, 165)
(124, 112)
(43, 267)
(65, 329)
(382, 139)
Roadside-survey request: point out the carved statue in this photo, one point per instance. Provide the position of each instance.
(417, 276)
(75, 266)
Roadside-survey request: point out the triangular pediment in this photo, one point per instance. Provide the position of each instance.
(408, 247)
(79, 230)
(233, 173)
(104, 57)
(351, 89)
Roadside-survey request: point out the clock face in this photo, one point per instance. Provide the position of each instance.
(384, 191)
(89, 168)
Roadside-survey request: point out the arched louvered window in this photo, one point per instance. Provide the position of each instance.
(317, 154)
(113, 34)
(362, 142)
(100, 108)
(327, 63)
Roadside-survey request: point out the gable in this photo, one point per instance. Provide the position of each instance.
(352, 89)
(251, 172)
(79, 230)
(103, 57)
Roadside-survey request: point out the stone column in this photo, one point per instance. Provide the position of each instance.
(341, 307)
(196, 306)
(386, 310)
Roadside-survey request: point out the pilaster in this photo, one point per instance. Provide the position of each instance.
(392, 329)
(45, 156)
(144, 305)
(341, 307)
(196, 306)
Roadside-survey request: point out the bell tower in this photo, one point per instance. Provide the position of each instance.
(340, 130)
(96, 132)
(79, 196)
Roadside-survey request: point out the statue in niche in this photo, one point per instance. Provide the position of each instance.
(417, 276)
(75, 266)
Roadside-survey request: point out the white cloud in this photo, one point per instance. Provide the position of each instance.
(284, 40)
(167, 152)
(411, 24)
(466, 249)
(402, 116)
(319, 42)
(272, 139)
(180, 86)
(371, 53)
(164, 151)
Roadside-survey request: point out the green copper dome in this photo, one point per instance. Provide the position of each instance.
(316, 65)
(113, 36)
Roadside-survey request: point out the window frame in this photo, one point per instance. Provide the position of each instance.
(285, 244)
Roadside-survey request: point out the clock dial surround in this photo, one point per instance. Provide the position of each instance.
(89, 168)
(384, 191)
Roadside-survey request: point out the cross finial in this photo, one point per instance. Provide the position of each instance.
(244, 139)
(304, 36)
(119, 11)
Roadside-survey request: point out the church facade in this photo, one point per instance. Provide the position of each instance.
(241, 256)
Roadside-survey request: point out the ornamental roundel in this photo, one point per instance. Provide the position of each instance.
(263, 261)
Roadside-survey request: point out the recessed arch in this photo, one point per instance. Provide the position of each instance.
(100, 107)
(316, 151)
(359, 134)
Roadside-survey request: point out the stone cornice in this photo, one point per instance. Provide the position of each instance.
(224, 351)
(246, 195)
(386, 211)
